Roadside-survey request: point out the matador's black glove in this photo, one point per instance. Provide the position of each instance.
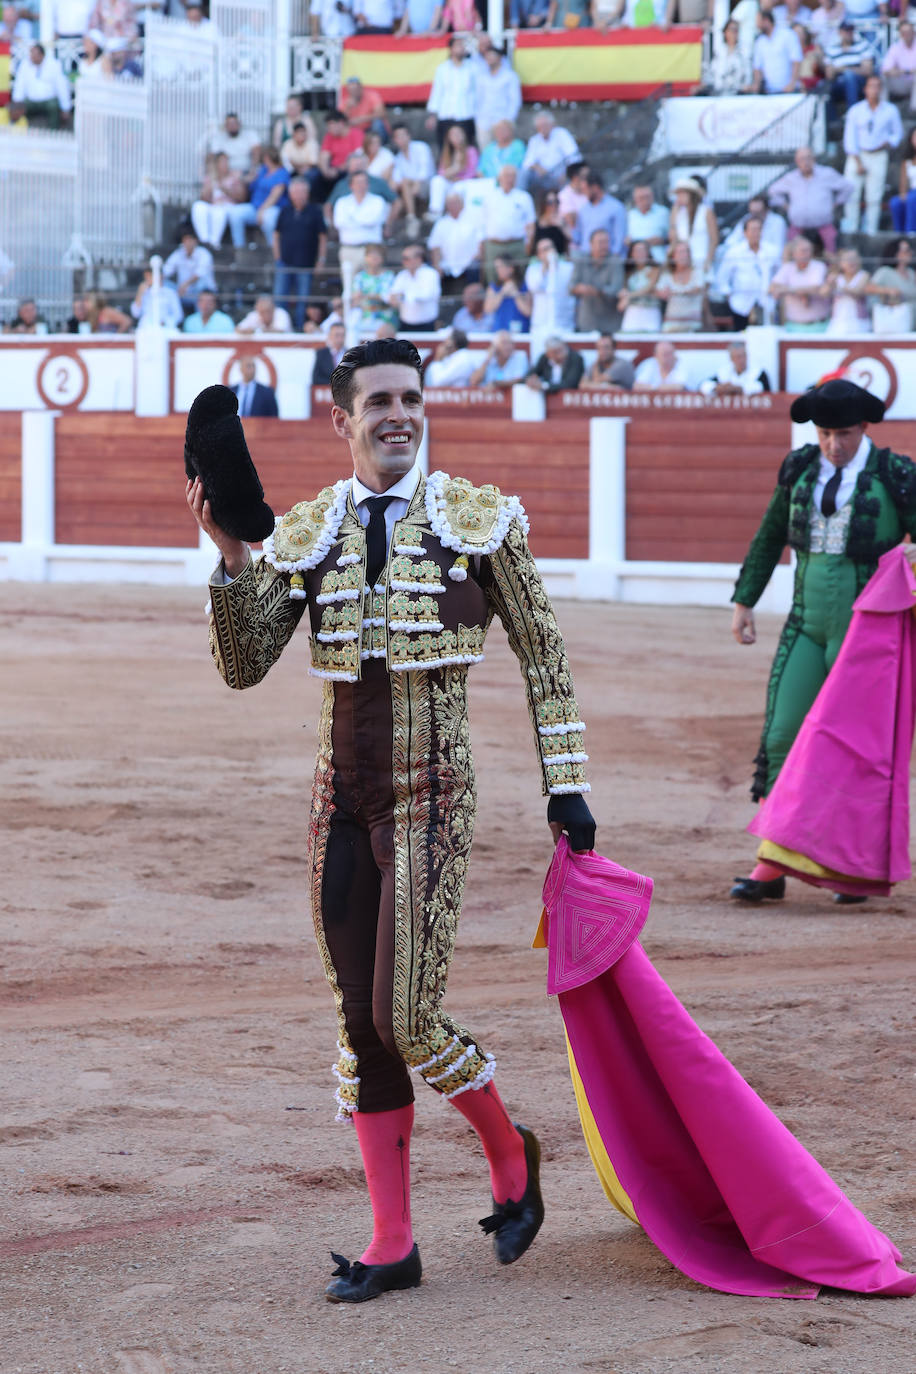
(216, 452)
(569, 810)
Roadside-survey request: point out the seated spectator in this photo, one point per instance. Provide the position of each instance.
(682, 288)
(415, 292)
(903, 204)
(93, 315)
(693, 222)
(600, 211)
(846, 288)
(499, 97)
(777, 57)
(454, 245)
(664, 371)
(299, 153)
(811, 194)
(774, 232)
(559, 368)
(507, 303)
(363, 107)
(338, 143)
(237, 143)
(151, 308)
(547, 279)
(299, 246)
(208, 318)
(413, 170)
(899, 63)
(373, 16)
(745, 274)
(379, 160)
(268, 195)
(472, 318)
(327, 358)
(642, 311)
(195, 19)
(452, 363)
(503, 364)
(359, 162)
(117, 21)
(550, 225)
(284, 127)
(866, 11)
(648, 222)
(457, 162)
(508, 222)
(733, 376)
(265, 318)
(596, 284)
(371, 290)
(315, 314)
(608, 372)
(572, 196)
(729, 72)
(825, 19)
(41, 93)
(16, 29)
(550, 150)
(92, 64)
(893, 291)
(797, 287)
(331, 19)
(871, 129)
(503, 148)
(641, 14)
(528, 14)
(847, 62)
(27, 319)
(222, 187)
(255, 399)
(192, 267)
(359, 218)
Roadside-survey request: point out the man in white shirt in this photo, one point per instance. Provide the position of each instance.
(550, 151)
(192, 267)
(745, 274)
(373, 16)
(454, 244)
(647, 222)
(237, 143)
(332, 19)
(41, 92)
(71, 17)
(453, 98)
(265, 318)
(871, 129)
(509, 218)
(734, 377)
(413, 170)
(499, 94)
(359, 218)
(777, 57)
(663, 371)
(453, 361)
(415, 291)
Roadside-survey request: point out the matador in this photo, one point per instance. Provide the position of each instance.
(401, 575)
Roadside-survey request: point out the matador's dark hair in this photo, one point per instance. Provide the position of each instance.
(370, 354)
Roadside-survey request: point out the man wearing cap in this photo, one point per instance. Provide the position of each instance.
(840, 504)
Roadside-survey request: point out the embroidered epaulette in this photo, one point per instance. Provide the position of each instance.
(794, 464)
(469, 519)
(303, 536)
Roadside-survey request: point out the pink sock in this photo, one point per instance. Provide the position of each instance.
(502, 1144)
(764, 873)
(384, 1142)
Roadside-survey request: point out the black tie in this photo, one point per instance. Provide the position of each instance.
(376, 537)
(828, 500)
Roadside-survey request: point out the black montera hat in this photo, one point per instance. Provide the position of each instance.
(837, 404)
(216, 452)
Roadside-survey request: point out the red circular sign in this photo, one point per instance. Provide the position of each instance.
(62, 380)
(258, 357)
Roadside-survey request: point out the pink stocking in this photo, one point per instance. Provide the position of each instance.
(765, 873)
(502, 1144)
(384, 1142)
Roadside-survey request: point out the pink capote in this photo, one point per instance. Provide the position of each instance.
(842, 795)
(717, 1182)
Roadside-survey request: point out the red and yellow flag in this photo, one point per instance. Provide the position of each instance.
(400, 69)
(5, 80)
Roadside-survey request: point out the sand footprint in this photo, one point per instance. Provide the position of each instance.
(141, 1362)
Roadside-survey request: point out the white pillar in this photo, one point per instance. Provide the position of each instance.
(528, 404)
(495, 20)
(151, 362)
(30, 563)
(281, 48)
(607, 503)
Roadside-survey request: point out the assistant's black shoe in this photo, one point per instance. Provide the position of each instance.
(358, 1282)
(514, 1225)
(847, 899)
(755, 890)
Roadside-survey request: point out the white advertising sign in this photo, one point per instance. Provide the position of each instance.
(712, 125)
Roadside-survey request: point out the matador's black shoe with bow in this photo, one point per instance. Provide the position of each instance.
(514, 1225)
(358, 1282)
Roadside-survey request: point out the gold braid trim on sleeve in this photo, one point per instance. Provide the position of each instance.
(251, 622)
(518, 596)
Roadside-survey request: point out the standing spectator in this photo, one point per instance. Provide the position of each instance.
(454, 245)
(452, 363)
(503, 364)
(379, 160)
(420, 16)
(373, 16)
(299, 246)
(608, 372)
(777, 57)
(873, 127)
(903, 205)
(117, 21)
(600, 211)
(93, 64)
(730, 71)
(797, 285)
(569, 14)
(268, 196)
(222, 188)
(648, 222)
(27, 319)
(811, 195)
(208, 318)
(734, 377)
(70, 19)
(642, 311)
(547, 279)
(848, 61)
(457, 162)
(359, 219)
(682, 288)
(893, 287)
(559, 368)
(550, 225)
(899, 63)
(151, 308)
(745, 274)
(237, 143)
(572, 195)
(265, 318)
(472, 317)
(791, 13)
(192, 267)
(499, 96)
(866, 11)
(364, 107)
(415, 291)
(255, 399)
(528, 14)
(459, 16)
(327, 358)
(550, 151)
(285, 126)
(508, 222)
(300, 152)
(413, 170)
(453, 97)
(664, 371)
(40, 91)
(339, 142)
(507, 303)
(505, 149)
(371, 289)
(694, 223)
(359, 162)
(596, 283)
(825, 19)
(332, 19)
(846, 288)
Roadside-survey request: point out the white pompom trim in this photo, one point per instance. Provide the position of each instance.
(481, 1081)
(510, 508)
(434, 588)
(415, 550)
(322, 546)
(337, 636)
(453, 660)
(562, 787)
(328, 597)
(346, 559)
(575, 727)
(416, 626)
(297, 594)
(458, 574)
(374, 653)
(333, 677)
(564, 758)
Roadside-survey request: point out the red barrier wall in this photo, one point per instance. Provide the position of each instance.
(11, 481)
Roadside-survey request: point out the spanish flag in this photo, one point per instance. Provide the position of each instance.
(6, 78)
(400, 69)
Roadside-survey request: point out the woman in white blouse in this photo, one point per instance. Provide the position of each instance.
(694, 223)
(729, 72)
(548, 278)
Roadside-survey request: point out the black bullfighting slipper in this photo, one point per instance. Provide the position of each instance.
(216, 452)
(754, 890)
(847, 899)
(514, 1225)
(358, 1282)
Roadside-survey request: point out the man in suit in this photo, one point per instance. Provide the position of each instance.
(254, 397)
(327, 358)
(559, 368)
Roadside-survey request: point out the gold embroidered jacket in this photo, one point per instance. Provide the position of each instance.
(425, 613)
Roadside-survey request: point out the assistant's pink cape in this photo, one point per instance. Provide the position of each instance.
(716, 1181)
(841, 801)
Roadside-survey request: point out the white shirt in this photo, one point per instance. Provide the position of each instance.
(414, 165)
(419, 292)
(866, 129)
(551, 310)
(360, 222)
(71, 17)
(280, 324)
(499, 95)
(773, 56)
(237, 148)
(381, 164)
(458, 241)
(378, 14)
(402, 491)
(552, 153)
(750, 384)
(183, 267)
(455, 370)
(334, 22)
(848, 480)
(46, 82)
(783, 19)
(453, 92)
(651, 225)
(744, 277)
(508, 214)
(649, 374)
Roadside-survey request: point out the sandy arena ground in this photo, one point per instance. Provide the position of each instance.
(173, 1179)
